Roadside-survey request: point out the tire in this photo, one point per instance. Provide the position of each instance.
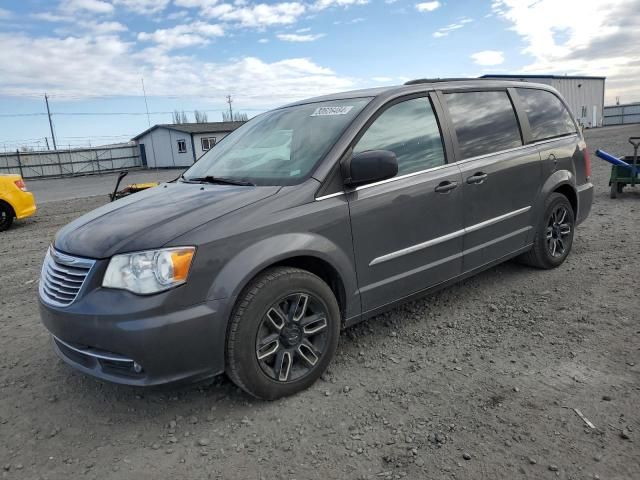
(613, 192)
(557, 227)
(283, 333)
(6, 216)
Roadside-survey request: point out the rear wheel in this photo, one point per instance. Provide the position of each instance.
(283, 333)
(554, 236)
(6, 216)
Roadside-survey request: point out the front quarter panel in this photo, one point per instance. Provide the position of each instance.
(234, 249)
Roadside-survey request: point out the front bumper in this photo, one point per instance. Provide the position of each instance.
(146, 346)
(585, 201)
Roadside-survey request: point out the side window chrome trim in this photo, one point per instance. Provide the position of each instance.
(401, 177)
(388, 180)
(479, 157)
(514, 149)
(331, 195)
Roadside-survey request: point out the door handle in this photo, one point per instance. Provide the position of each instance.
(446, 186)
(477, 178)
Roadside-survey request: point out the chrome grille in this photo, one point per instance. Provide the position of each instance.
(62, 277)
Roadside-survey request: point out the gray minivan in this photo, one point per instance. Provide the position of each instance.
(308, 219)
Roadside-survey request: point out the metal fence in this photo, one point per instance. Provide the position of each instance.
(62, 163)
(622, 114)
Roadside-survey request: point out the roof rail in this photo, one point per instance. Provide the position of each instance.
(435, 80)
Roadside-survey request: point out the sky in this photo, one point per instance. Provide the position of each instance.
(91, 56)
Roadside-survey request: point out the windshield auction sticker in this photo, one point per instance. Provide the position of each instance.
(328, 111)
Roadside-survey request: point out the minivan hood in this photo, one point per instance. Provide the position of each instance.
(151, 218)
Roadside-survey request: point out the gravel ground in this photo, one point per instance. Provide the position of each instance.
(68, 188)
(478, 381)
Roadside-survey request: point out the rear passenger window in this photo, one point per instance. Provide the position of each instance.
(410, 130)
(485, 122)
(548, 117)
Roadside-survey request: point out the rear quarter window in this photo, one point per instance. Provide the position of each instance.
(484, 122)
(547, 115)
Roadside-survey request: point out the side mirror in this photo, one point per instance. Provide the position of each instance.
(370, 166)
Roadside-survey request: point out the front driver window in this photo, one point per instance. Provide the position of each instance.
(410, 130)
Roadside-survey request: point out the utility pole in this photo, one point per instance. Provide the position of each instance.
(144, 93)
(153, 148)
(229, 101)
(53, 137)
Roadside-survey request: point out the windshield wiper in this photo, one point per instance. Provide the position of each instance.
(220, 180)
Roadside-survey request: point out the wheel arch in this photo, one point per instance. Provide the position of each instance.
(306, 251)
(561, 181)
(11, 209)
(568, 191)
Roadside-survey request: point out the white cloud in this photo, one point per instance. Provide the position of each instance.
(51, 17)
(260, 15)
(263, 40)
(181, 36)
(143, 6)
(580, 38)
(428, 6)
(92, 6)
(5, 14)
(488, 57)
(444, 31)
(349, 22)
(101, 28)
(84, 66)
(322, 4)
(295, 37)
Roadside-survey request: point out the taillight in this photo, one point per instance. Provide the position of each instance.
(21, 185)
(587, 162)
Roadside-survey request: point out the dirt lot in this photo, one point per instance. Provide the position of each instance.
(476, 382)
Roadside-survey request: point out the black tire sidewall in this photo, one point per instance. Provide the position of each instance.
(242, 356)
(4, 208)
(554, 201)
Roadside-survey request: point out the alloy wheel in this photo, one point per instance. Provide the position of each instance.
(558, 232)
(292, 337)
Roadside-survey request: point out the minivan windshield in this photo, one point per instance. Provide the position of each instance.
(280, 147)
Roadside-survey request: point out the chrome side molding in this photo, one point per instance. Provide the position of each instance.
(447, 237)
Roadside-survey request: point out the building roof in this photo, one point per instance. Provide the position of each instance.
(556, 77)
(206, 127)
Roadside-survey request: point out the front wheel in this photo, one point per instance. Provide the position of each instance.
(283, 333)
(554, 236)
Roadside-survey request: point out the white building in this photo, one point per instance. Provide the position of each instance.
(584, 95)
(182, 144)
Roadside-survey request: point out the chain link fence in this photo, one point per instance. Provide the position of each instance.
(63, 163)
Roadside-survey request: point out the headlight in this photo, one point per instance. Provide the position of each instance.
(149, 272)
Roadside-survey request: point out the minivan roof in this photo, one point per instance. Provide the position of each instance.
(422, 85)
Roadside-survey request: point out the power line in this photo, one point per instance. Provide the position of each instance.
(33, 114)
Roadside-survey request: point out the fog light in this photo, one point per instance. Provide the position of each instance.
(137, 367)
